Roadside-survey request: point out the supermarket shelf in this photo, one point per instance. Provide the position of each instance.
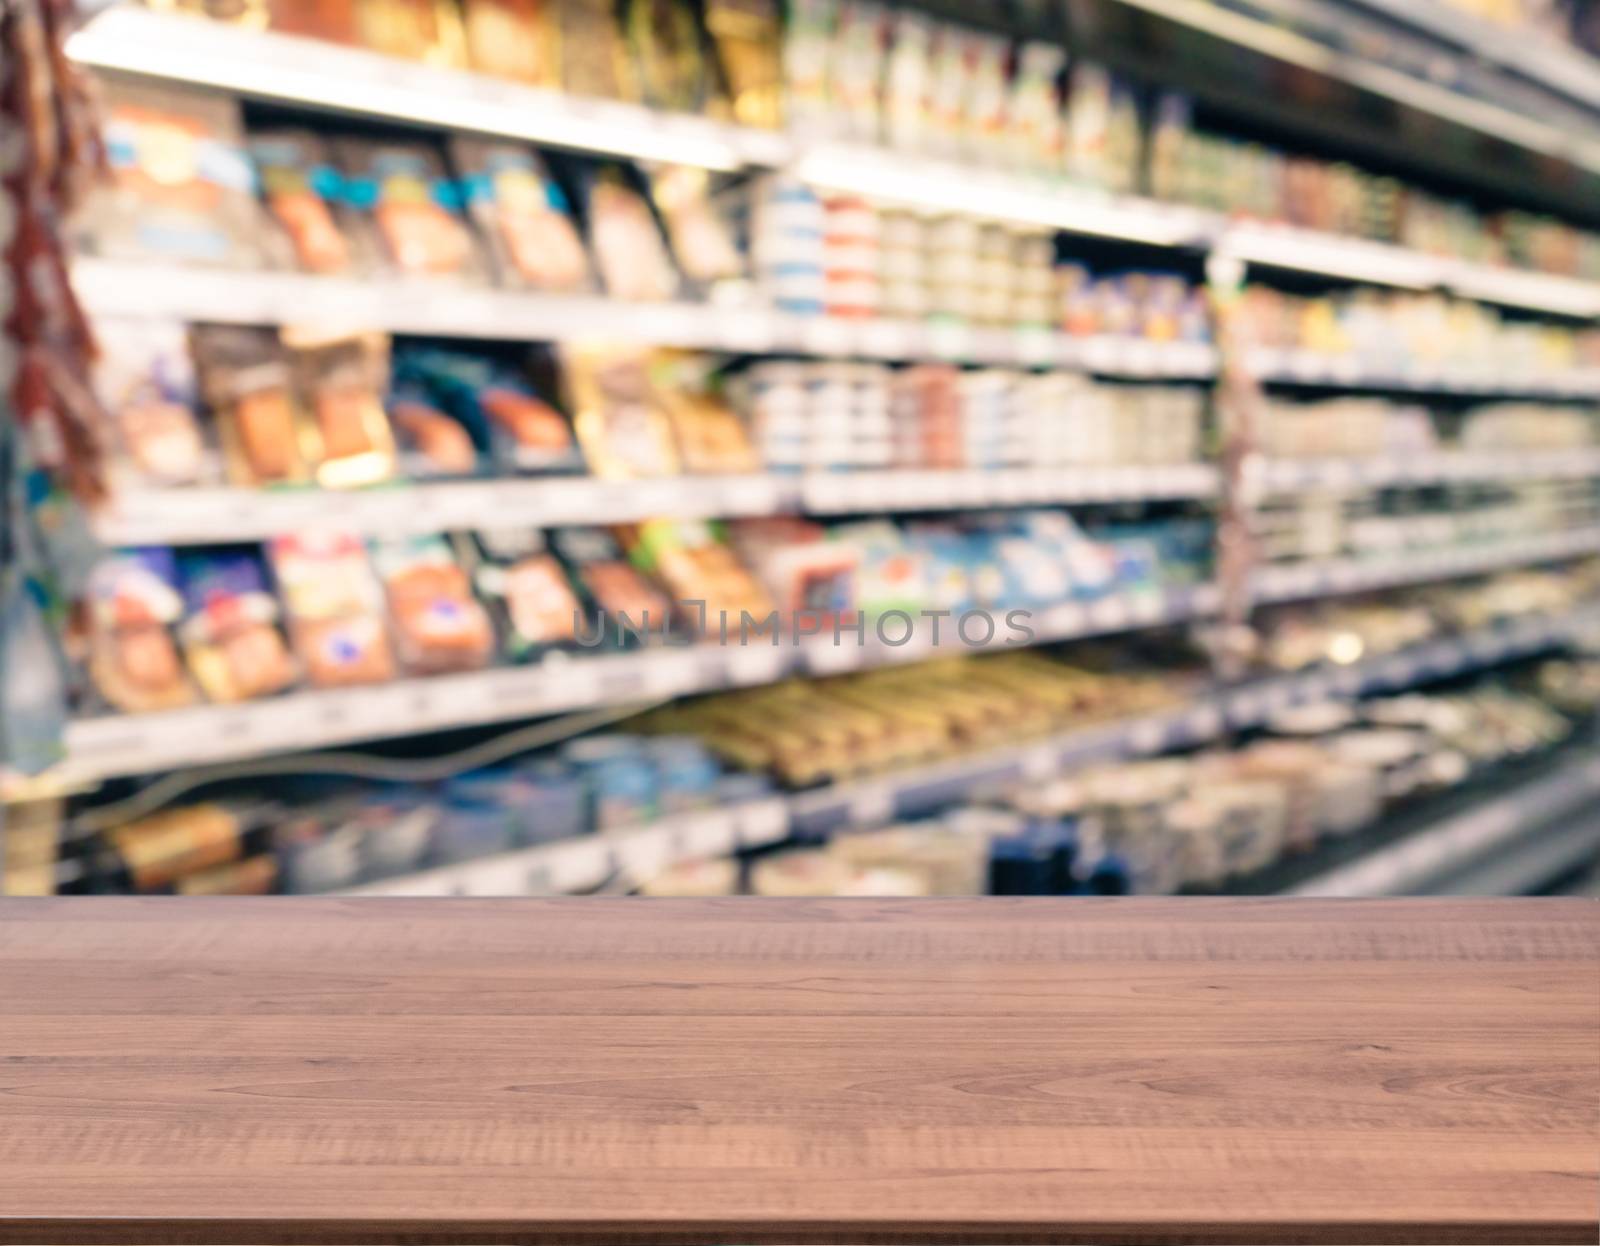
(1502, 844)
(323, 75)
(1264, 36)
(127, 744)
(205, 516)
(1351, 575)
(1303, 367)
(872, 802)
(590, 861)
(1293, 475)
(208, 516)
(901, 180)
(446, 309)
(1358, 259)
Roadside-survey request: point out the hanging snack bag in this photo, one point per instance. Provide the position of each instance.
(624, 602)
(145, 378)
(133, 601)
(628, 248)
(522, 214)
(711, 438)
(619, 420)
(406, 210)
(497, 406)
(747, 39)
(535, 605)
(702, 236)
(438, 624)
(594, 61)
(670, 67)
(301, 190)
(340, 379)
(230, 635)
(181, 187)
(514, 39)
(334, 607)
(246, 381)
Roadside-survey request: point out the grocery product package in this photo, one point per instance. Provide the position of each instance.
(302, 192)
(439, 625)
(594, 57)
(701, 231)
(669, 63)
(334, 608)
(620, 419)
(711, 439)
(747, 38)
(518, 39)
(629, 251)
(404, 212)
(527, 587)
(132, 603)
(522, 214)
(694, 561)
(340, 379)
(230, 630)
(247, 382)
(182, 189)
(145, 378)
(625, 604)
(419, 30)
(497, 406)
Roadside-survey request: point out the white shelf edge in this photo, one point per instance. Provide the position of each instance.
(1301, 581)
(319, 74)
(1276, 366)
(1288, 475)
(208, 516)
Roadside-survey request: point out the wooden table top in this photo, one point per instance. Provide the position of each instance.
(769, 1071)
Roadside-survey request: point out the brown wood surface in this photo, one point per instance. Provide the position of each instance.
(766, 1071)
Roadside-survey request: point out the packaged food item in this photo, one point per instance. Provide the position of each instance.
(245, 377)
(786, 239)
(254, 876)
(535, 606)
(669, 66)
(252, 14)
(182, 188)
(701, 236)
(908, 84)
(1089, 106)
(334, 607)
(432, 443)
(1034, 110)
(628, 248)
(619, 419)
(856, 70)
(301, 188)
(807, 70)
(156, 851)
(497, 406)
(950, 94)
(625, 602)
(340, 379)
(132, 602)
(693, 559)
(514, 39)
(807, 574)
(438, 624)
(594, 60)
(418, 30)
(746, 36)
(405, 209)
(986, 128)
(332, 20)
(711, 439)
(146, 380)
(620, 779)
(230, 633)
(522, 214)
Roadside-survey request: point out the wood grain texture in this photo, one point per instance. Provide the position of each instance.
(765, 1071)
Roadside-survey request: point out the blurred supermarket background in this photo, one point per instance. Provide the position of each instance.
(1061, 446)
